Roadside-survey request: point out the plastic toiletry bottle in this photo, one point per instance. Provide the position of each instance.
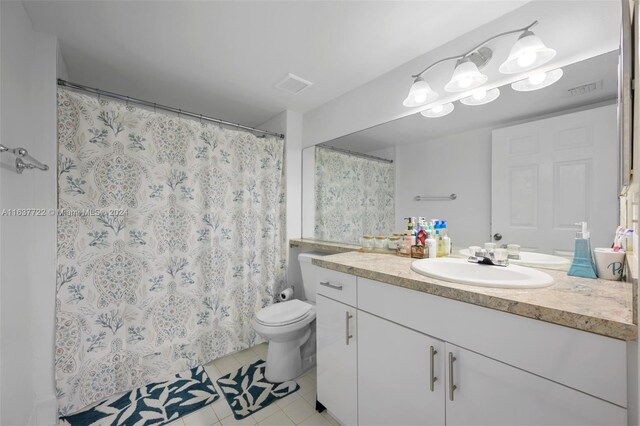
(439, 239)
(582, 264)
(446, 239)
(431, 245)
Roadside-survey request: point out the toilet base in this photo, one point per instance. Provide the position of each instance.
(283, 358)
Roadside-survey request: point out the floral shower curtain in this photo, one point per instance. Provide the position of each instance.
(354, 196)
(171, 235)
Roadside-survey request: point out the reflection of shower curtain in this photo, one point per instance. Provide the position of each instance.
(178, 241)
(354, 196)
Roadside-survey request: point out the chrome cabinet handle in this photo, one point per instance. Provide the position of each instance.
(433, 378)
(333, 286)
(347, 335)
(452, 387)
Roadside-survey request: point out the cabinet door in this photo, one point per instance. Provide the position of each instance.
(488, 392)
(396, 366)
(337, 359)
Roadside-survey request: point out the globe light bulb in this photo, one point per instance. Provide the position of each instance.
(465, 82)
(420, 96)
(526, 59)
(437, 109)
(537, 78)
(480, 94)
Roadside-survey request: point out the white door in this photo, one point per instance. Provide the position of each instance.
(337, 366)
(489, 392)
(396, 367)
(549, 174)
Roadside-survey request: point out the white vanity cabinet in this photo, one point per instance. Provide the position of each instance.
(490, 367)
(337, 339)
(401, 378)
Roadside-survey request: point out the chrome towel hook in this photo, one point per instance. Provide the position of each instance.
(21, 164)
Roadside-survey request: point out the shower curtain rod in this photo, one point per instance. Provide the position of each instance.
(354, 153)
(156, 106)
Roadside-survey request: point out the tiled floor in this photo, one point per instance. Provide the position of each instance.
(295, 409)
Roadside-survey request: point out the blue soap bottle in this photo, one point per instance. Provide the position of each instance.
(582, 265)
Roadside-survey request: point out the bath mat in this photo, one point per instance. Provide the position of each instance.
(247, 391)
(154, 404)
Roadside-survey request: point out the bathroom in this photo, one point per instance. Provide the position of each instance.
(171, 171)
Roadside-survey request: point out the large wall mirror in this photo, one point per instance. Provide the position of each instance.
(524, 168)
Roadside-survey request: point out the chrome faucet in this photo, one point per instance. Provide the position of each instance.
(488, 260)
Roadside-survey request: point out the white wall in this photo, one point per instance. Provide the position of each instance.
(459, 164)
(27, 244)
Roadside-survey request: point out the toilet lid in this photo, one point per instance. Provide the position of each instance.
(284, 312)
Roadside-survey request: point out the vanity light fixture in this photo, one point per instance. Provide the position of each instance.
(537, 80)
(438, 110)
(481, 97)
(420, 94)
(527, 53)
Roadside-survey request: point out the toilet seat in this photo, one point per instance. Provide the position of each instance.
(285, 313)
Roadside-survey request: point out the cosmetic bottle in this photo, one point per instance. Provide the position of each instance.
(431, 245)
(422, 237)
(582, 264)
(446, 239)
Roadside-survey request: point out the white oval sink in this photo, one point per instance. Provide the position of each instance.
(532, 259)
(464, 272)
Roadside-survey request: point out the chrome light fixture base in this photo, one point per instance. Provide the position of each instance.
(481, 57)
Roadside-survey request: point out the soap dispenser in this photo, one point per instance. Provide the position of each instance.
(582, 264)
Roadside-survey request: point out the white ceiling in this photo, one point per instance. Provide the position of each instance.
(223, 58)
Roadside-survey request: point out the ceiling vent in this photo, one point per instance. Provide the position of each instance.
(293, 84)
(584, 89)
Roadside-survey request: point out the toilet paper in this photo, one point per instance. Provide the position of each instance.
(286, 294)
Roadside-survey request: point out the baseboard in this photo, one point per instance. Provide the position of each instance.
(44, 412)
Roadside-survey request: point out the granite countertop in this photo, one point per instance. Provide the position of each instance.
(327, 246)
(593, 305)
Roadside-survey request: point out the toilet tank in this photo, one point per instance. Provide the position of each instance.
(308, 271)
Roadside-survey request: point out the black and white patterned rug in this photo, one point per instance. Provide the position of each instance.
(247, 391)
(154, 404)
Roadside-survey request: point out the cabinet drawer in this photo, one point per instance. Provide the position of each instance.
(336, 285)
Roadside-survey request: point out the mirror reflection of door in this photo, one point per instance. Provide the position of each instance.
(549, 174)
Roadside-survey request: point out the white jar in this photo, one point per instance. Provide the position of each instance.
(381, 242)
(394, 242)
(367, 242)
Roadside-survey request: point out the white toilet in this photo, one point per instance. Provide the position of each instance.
(288, 326)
